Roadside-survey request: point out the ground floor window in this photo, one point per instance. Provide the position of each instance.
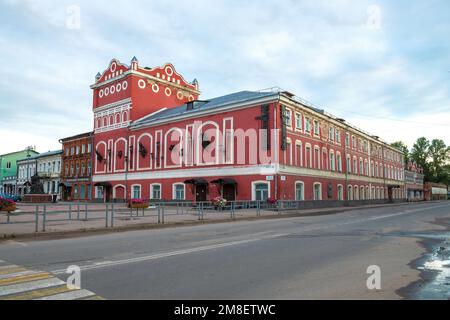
(75, 192)
(99, 192)
(299, 191)
(261, 191)
(340, 193)
(178, 191)
(136, 192)
(156, 191)
(350, 193)
(317, 191)
(82, 191)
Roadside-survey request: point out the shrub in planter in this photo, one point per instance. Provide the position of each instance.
(7, 205)
(139, 203)
(219, 202)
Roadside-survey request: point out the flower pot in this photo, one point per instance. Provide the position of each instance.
(139, 205)
(9, 209)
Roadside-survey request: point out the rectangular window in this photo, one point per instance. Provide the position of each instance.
(156, 191)
(261, 192)
(179, 192)
(136, 192)
(331, 134)
(78, 149)
(83, 148)
(298, 121)
(347, 139)
(288, 118)
(316, 127)
(82, 191)
(307, 125)
(338, 136)
(89, 148)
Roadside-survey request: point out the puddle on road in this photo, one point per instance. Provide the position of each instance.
(435, 269)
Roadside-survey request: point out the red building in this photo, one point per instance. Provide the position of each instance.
(155, 138)
(76, 168)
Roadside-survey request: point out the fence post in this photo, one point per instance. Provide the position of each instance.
(70, 212)
(86, 211)
(163, 211)
(112, 215)
(36, 216)
(106, 215)
(258, 209)
(159, 213)
(7, 217)
(78, 211)
(44, 218)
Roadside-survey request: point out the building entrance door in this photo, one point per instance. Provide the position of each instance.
(200, 192)
(229, 192)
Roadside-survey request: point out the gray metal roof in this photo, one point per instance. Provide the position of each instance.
(201, 105)
(42, 155)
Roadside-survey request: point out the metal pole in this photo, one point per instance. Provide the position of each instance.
(44, 218)
(7, 217)
(159, 213)
(36, 215)
(86, 212)
(163, 209)
(78, 211)
(106, 215)
(70, 212)
(112, 215)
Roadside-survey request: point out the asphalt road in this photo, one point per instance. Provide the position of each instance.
(321, 257)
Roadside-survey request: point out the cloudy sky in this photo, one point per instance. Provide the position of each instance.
(382, 65)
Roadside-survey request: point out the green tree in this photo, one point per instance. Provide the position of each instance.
(420, 154)
(439, 155)
(400, 145)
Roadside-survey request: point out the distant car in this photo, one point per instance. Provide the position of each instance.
(12, 197)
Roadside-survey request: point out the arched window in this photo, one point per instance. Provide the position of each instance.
(350, 193)
(340, 193)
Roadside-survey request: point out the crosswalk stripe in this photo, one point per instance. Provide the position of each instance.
(28, 286)
(17, 274)
(71, 295)
(26, 278)
(12, 270)
(29, 295)
(93, 298)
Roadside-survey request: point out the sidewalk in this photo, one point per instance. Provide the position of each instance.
(95, 219)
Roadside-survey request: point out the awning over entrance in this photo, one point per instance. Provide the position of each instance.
(103, 184)
(197, 182)
(225, 181)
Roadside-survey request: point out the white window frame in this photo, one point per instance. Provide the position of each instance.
(151, 191)
(174, 195)
(314, 191)
(140, 191)
(303, 190)
(254, 183)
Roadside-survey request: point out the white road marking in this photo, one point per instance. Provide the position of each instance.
(71, 295)
(28, 286)
(104, 264)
